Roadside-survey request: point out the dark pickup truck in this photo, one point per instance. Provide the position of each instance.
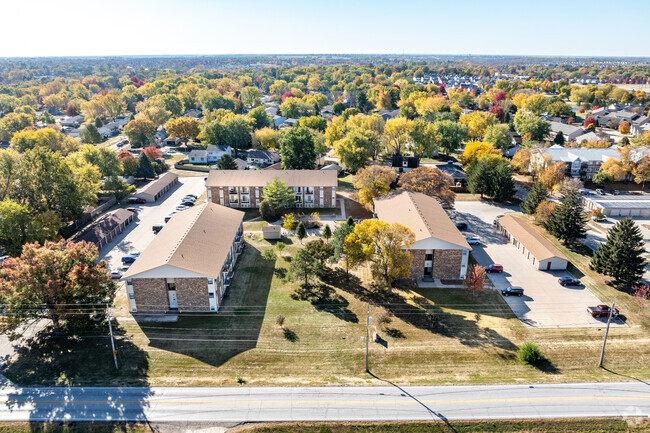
(601, 311)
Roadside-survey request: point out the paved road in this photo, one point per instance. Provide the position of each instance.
(630, 400)
(545, 304)
(138, 236)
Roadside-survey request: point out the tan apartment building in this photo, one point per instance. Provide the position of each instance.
(190, 263)
(440, 250)
(245, 188)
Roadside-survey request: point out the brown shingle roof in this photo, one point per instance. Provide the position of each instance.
(420, 213)
(196, 239)
(102, 228)
(253, 178)
(530, 238)
(154, 187)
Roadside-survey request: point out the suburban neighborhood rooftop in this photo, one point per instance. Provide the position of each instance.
(539, 246)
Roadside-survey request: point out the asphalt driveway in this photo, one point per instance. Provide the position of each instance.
(545, 304)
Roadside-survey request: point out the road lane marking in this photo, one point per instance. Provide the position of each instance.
(325, 402)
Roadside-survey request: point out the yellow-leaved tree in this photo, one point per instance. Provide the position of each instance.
(476, 150)
(478, 122)
(384, 246)
(372, 182)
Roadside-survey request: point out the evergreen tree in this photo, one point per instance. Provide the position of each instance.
(559, 138)
(621, 256)
(568, 222)
(90, 134)
(145, 168)
(301, 231)
(350, 221)
(536, 195)
(278, 195)
(327, 232)
(502, 184)
(478, 178)
(227, 162)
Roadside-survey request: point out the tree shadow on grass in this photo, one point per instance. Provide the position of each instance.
(289, 335)
(47, 361)
(324, 298)
(546, 366)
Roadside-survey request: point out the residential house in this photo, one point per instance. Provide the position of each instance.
(532, 245)
(625, 205)
(198, 156)
(404, 164)
(245, 188)
(72, 121)
(570, 132)
(440, 250)
(156, 188)
(190, 263)
(455, 171)
(581, 162)
(216, 151)
(262, 157)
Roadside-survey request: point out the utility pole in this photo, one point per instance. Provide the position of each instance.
(110, 330)
(367, 336)
(609, 319)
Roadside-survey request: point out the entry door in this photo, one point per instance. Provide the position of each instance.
(548, 265)
(173, 302)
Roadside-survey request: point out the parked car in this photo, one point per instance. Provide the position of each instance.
(181, 207)
(192, 195)
(129, 258)
(600, 191)
(513, 291)
(494, 221)
(494, 268)
(132, 209)
(599, 219)
(187, 203)
(569, 281)
(168, 217)
(188, 198)
(602, 310)
(137, 200)
(473, 240)
(157, 228)
(461, 226)
(116, 275)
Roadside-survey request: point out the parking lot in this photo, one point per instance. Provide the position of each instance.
(137, 236)
(545, 304)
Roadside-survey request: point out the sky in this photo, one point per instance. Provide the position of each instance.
(159, 27)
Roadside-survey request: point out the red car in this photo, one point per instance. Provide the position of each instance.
(137, 200)
(602, 311)
(494, 268)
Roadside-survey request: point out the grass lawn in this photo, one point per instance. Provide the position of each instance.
(466, 196)
(346, 182)
(600, 425)
(73, 427)
(431, 336)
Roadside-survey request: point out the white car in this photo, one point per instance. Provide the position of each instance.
(181, 207)
(116, 275)
(473, 240)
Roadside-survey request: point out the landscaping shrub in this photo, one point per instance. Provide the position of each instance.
(530, 353)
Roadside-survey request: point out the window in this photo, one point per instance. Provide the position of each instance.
(428, 257)
(234, 198)
(210, 280)
(245, 190)
(298, 199)
(245, 199)
(131, 296)
(232, 190)
(298, 190)
(405, 162)
(309, 199)
(309, 190)
(129, 282)
(171, 286)
(211, 295)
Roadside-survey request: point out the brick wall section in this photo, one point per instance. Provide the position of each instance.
(446, 264)
(417, 264)
(327, 199)
(150, 294)
(192, 294)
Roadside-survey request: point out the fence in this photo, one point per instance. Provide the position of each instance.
(180, 165)
(87, 217)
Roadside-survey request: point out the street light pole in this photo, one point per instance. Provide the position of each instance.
(367, 336)
(609, 319)
(110, 331)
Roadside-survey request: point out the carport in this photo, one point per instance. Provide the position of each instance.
(537, 250)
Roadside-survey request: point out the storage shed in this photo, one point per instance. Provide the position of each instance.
(156, 188)
(272, 232)
(538, 250)
(106, 228)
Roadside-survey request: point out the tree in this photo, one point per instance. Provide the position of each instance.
(140, 131)
(521, 160)
(314, 122)
(301, 231)
(327, 234)
(601, 178)
(559, 138)
(104, 158)
(280, 247)
(298, 150)
(536, 104)
(303, 265)
(352, 151)
(424, 139)
(536, 195)
(553, 175)
(499, 136)
(544, 211)
(320, 250)
(250, 96)
(477, 122)
(278, 195)
(145, 169)
(156, 111)
(12, 123)
(17, 227)
(185, 128)
(227, 162)
(117, 187)
(476, 150)
(152, 152)
(385, 246)
(90, 134)
(641, 171)
(590, 123)
(397, 134)
(266, 138)
(474, 281)
(373, 182)
(260, 118)
(430, 181)
(338, 240)
(621, 256)
(48, 138)
(295, 108)
(451, 135)
(48, 280)
(568, 222)
(624, 127)
(527, 123)
(491, 176)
